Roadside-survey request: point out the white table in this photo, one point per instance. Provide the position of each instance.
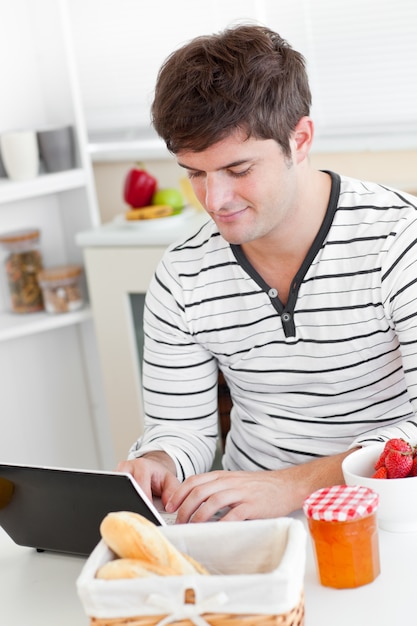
(39, 589)
(387, 601)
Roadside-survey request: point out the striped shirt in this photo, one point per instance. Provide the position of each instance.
(335, 367)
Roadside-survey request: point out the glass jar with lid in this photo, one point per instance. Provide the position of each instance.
(22, 262)
(61, 288)
(343, 526)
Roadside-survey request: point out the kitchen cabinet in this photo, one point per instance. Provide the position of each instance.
(120, 260)
(52, 410)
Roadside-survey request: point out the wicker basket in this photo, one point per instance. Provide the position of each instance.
(295, 617)
(258, 574)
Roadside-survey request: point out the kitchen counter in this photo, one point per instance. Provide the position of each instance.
(39, 589)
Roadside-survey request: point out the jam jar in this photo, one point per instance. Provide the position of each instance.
(22, 263)
(343, 526)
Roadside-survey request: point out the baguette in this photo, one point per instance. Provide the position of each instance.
(132, 536)
(131, 568)
(199, 568)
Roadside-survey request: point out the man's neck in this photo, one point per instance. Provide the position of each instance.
(278, 257)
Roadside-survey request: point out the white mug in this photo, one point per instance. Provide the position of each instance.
(20, 154)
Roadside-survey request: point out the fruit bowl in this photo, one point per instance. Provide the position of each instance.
(397, 510)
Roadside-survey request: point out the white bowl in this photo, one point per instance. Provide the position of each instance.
(397, 509)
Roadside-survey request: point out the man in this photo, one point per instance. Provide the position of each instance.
(301, 288)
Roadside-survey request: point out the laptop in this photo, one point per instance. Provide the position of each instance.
(60, 510)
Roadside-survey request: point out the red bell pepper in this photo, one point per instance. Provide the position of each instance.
(139, 188)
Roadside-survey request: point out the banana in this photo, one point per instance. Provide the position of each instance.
(149, 212)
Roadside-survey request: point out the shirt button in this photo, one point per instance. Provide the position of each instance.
(272, 293)
(286, 317)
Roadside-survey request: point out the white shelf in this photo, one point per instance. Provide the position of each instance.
(62, 406)
(42, 185)
(126, 144)
(14, 326)
(142, 149)
(155, 149)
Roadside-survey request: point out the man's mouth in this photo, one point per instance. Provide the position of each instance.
(227, 216)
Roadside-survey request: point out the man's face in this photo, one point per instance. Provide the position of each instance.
(247, 186)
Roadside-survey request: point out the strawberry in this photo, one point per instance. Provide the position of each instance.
(399, 444)
(413, 471)
(381, 472)
(398, 463)
(381, 459)
(396, 460)
(392, 444)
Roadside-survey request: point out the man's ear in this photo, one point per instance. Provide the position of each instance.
(302, 138)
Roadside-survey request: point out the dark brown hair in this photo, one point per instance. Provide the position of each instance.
(246, 77)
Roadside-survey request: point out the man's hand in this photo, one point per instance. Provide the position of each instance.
(154, 472)
(252, 495)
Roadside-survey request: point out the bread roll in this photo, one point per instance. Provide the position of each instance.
(132, 536)
(131, 568)
(199, 568)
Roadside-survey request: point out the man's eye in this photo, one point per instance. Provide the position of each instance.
(240, 174)
(193, 174)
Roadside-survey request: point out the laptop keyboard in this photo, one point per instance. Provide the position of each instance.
(169, 518)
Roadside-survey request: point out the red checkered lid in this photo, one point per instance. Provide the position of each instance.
(341, 503)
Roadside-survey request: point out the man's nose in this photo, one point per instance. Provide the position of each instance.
(218, 193)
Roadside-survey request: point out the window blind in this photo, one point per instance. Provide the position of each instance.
(361, 58)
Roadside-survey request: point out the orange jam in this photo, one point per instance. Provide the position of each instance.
(343, 526)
